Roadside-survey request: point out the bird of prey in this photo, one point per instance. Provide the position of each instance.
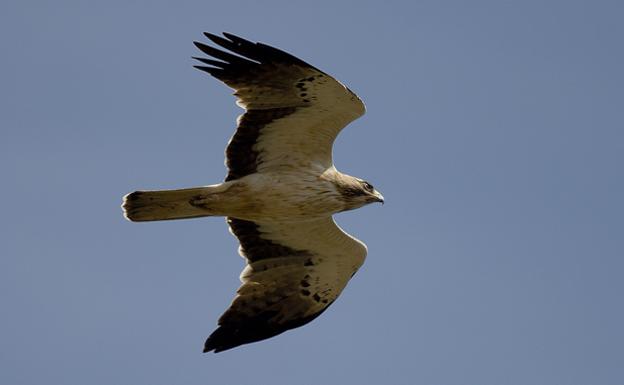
(280, 192)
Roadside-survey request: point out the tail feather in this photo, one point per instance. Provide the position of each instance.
(142, 206)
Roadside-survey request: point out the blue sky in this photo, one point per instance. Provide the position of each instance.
(494, 130)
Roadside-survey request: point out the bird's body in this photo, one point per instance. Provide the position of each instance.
(280, 192)
(275, 196)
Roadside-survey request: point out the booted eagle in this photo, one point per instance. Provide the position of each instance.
(280, 192)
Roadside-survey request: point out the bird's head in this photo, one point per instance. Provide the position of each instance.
(357, 192)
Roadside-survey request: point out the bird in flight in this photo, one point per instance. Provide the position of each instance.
(280, 192)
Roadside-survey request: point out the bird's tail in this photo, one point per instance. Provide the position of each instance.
(161, 205)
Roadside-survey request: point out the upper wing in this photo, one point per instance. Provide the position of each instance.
(294, 111)
(294, 272)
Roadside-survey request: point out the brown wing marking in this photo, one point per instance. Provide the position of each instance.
(241, 157)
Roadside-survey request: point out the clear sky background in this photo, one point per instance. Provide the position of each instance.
(495, 130)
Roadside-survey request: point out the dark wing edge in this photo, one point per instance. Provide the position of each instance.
(230, 335)
(249, 57)
(241, 157)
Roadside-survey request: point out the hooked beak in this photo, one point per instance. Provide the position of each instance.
(379, 197)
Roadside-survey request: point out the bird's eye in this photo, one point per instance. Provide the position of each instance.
(368, 186)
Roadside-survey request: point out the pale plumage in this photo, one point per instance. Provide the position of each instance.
(280, 192)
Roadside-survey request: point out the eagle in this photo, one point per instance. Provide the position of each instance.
(280, 192)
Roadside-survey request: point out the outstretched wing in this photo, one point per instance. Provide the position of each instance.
(294, 111)
(294, 272)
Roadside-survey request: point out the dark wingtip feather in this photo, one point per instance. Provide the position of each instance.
(249, 51)
(217, 39)
(231, 36)
(253, 329)
(238, 58)
(211, 62)
(211, 70)
(223, 55)
(222, 339)
(208, 50)
(210, 35)
(236, 39)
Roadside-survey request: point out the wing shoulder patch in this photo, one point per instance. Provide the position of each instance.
(254, 247)
(241, 156)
